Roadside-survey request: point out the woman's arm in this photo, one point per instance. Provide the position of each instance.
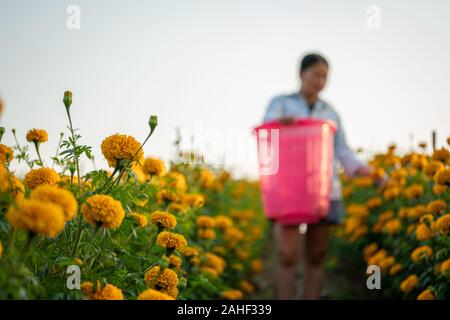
(277, 111)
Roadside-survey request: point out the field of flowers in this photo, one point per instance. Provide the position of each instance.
(138, 231)
(403, 227)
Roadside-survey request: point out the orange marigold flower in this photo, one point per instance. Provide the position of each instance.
(164, 279)
(37, 135)
(37, 177)
(423, 232)
(154, 166)
(171, 240)
(443, 224)
(426, 295)
(121, 147)
(6, 154)
(409, 284)
(103, 210)
(436, 207)
(141, 219)
(164, 219)
(108, 292)
(61, 197)
(420, 252)
(152, 294)
(205, 222)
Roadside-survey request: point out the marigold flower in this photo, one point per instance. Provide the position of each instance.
(439, 189)
(166, 195)
(375, 202)
(164, 279)
(442, 155)
(445, 266)
(108, 292)
(121, 147)
(164, 219)
(206, 178)
(391, 193)
(154, 166)
(423, 232)
(61, 197)
(174, 261)
(232, 295)
(6, 154)
(38, 217)
(17, 188)
(37, 177)
(433, 167)
(210, 270)
(223, 222)
(205, 222)
(209, 234)
(357, 210)
(246, 286)
(141, 219)
(420, 252)
(409, 284)
(152, 294)
(190, 252)
(393, 226)
(369, 250)
(436, 207)
(386, 263)
(442, 177)
(194, 200)
(177, 181)
(103, 210)
(256, 266)
(396, 268)
(377, 257)
(426, 295)
(415, 191)
(37, 135)
(171, 240)
(177, 207)
(443, 224)
(214, 261)
(1, 249)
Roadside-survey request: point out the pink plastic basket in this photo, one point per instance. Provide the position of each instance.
(295, 168)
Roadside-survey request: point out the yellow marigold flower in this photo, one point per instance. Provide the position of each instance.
(423, 232)
(436, 207)
(166, 195)
(219, 250)
(78, 261)
(256, 266)
(174, 261)
(1, 249)
(61, 197)
(171, 240)
(17, 188)
(171, 291)
(369, 250)
(357, 210)
(38, 217)
(140, 219)
(396, 268)
(391, 193)
(194, 200)
(445, 266)
(177, 181)
(206, 178)
(387, 263)
(4, 179)
(363, 182)
(154, 166)
(393, 226)
(103, 210)
(426, 295)
(443, 224)
(433, 167)
(164, 279)
(417, 211)
(224, 176)
(223, 222)
(232, 295)
(420, 252)
(177, 207)
(409, 284)
(386, 216)
(442, 177)
(209, 234)
(415, 191)
(205, 222)
(246, 286)
(210, 270)
(237, 266)
(441, 155)
(164, 219)
(37, 135)
(426, 218)
(377, 257)
(439, 189)
(108, 292)
(190, 252)
(214, 261)
(233, 235)
(242, 254)
(6, 154)
(152, 294)
(37, 177)
(120, 147)
(375, 202)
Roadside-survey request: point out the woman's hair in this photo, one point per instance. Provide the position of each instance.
(310, 60)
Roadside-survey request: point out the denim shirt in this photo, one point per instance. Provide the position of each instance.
(295, 105)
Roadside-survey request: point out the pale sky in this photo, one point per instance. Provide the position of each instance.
(216, 64)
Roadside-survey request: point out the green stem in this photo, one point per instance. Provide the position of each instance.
(79, 233)
(57, 149)
(72, 132)
(36, 145)
(20, 149)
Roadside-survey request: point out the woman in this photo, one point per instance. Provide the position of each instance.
(306, 103)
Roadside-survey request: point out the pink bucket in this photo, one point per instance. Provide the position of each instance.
(295, 168)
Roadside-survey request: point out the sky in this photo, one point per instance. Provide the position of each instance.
(211, 68)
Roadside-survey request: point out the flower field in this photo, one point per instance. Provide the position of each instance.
(138, 231)
(404, 227)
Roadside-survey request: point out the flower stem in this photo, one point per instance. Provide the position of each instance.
(20, 149)
(36, 145)
(57, 149)
(79, 234)
(77, 162)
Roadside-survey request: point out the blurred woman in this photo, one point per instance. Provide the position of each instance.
(306, 102)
